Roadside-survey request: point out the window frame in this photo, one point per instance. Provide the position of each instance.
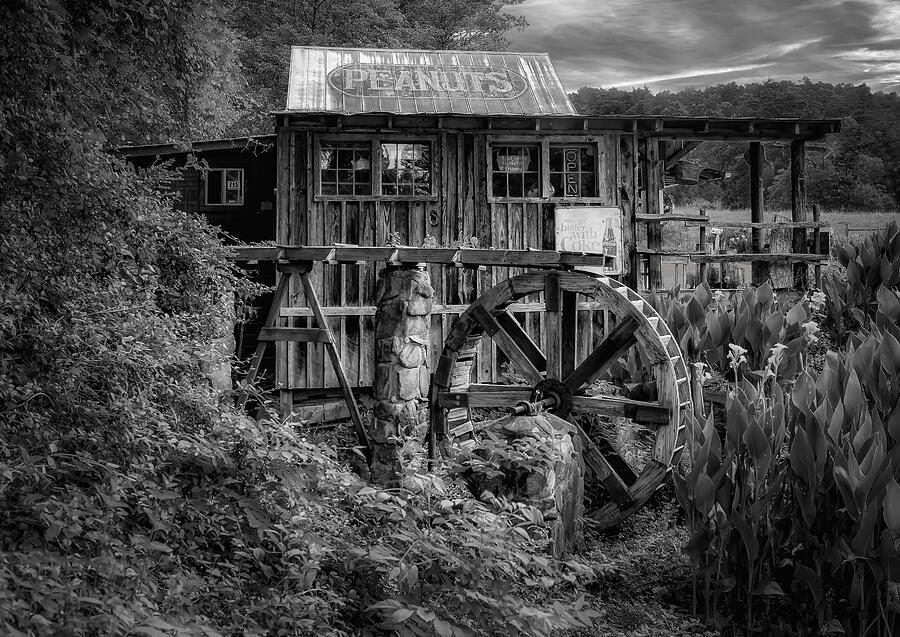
(375, 144)
(544, 143)
(223, 204)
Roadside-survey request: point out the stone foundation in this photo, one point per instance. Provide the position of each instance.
(402, 322)
(556, 488)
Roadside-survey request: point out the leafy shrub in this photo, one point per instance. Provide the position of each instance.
(795, 511)
(707, 328)
(851, 295)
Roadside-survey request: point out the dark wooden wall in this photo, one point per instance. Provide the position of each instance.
(461, 213)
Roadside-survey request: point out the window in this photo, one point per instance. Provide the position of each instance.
(543, 169)
(572, 169)
(406, 169)
(376, 167)
(225, 187)
(345, 168)
(516, 171)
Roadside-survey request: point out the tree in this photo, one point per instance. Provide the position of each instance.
(861, 166)
(479, 25)
(268, 28)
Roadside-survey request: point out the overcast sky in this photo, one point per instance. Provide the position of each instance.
(673, 44)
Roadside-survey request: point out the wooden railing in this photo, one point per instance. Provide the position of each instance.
(801, 260)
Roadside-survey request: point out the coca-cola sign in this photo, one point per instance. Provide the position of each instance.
(412, 80)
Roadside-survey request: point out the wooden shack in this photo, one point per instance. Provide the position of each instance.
(461, 148)
(230, 181)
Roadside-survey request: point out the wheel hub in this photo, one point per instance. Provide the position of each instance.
(556, 391)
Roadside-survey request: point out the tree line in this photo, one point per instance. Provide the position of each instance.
(858, 169)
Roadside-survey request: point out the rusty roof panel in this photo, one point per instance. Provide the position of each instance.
(401, 81)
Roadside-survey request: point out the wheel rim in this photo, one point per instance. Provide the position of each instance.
(638, 325)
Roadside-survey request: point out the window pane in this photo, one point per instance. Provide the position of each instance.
(556, 184)
(327, 158)
(587, 185)
(406, 168)
(556, 159)
(573, 173)
(214, 187)
(515, 186)
(516, 171)
(353, 161)
(532, 182)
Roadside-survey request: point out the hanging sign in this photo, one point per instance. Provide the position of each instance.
(592, 229)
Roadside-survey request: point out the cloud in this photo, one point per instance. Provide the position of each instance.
(672, 44)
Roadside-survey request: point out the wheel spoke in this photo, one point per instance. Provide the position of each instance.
(601, 467)
(484, 395)
(552, 300)
(519, 359)
(517, 333)
(649, 413)
(617, 462)
(608, 352)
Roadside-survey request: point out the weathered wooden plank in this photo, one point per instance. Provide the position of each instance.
(294, 334)
(568, 333)
(753, 257)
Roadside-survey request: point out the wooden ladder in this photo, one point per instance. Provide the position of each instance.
(272, 332)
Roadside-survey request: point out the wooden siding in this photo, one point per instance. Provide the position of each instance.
(462, 213)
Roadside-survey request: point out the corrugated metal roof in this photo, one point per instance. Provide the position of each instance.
(348, 81)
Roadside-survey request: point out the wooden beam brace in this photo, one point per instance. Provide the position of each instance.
(678, 155)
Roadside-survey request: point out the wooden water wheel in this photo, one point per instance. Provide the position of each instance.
(557, 382)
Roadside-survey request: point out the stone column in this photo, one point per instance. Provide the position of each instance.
(402, 322)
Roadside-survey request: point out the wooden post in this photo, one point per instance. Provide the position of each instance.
(654, 184)
(759, 270)
(283, 222)
(816, 214)
(702, 248)
(798, 209)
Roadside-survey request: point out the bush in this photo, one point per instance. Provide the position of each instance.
(794, 509)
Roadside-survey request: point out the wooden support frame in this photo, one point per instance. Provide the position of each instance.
(271, 332)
